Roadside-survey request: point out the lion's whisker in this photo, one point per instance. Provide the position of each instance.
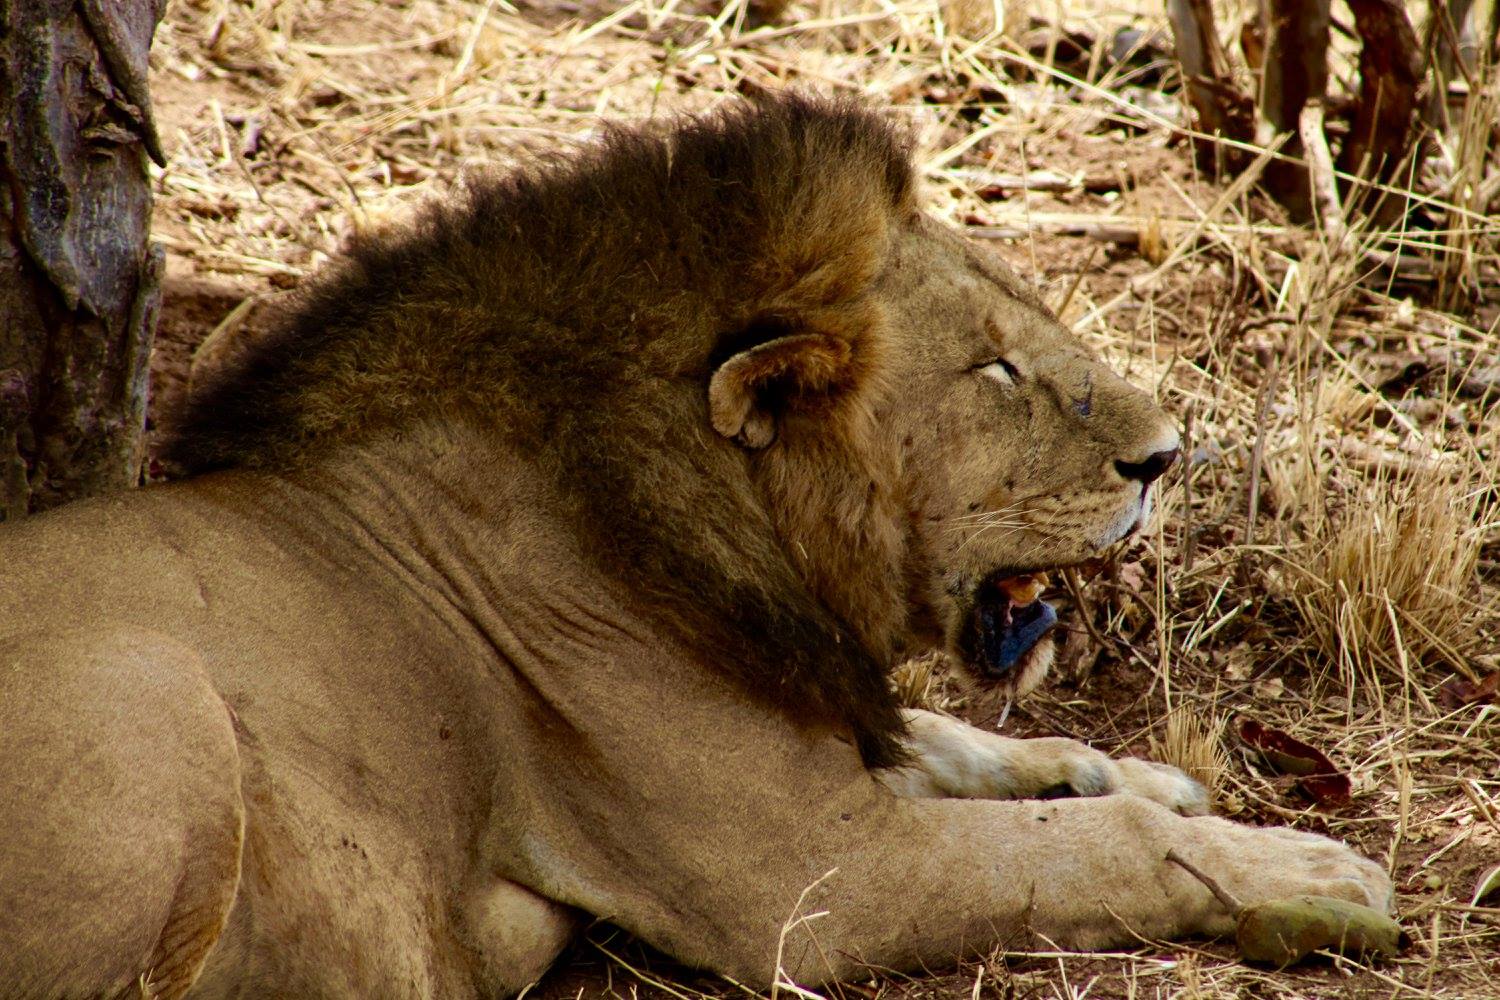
(980, 517)
(1008, 531)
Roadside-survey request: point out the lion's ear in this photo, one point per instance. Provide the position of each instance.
(750, 389)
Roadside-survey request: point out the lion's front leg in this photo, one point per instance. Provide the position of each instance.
(722, 874)
(951, 759)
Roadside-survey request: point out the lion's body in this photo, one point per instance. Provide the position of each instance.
(197, 569)
(583, 610)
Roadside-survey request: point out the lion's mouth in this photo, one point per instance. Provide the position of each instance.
(1008, 620)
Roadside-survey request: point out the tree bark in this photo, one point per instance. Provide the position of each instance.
(1296, 64)
(79, 280)
(1296, 72)
(1390, 75)
(1220, 108)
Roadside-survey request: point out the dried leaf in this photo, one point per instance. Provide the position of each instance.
(1488, 885)
(1268, 689)
(1316, 776)
(1457, 692)
(1284, 931)
(1133, 575)
(1237, 663)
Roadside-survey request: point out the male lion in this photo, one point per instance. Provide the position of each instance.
(548, 565)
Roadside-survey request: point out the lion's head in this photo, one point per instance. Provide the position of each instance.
(1024, 453)
(811, 428)
(1004, 447)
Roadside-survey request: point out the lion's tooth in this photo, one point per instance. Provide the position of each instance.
(1022, 590)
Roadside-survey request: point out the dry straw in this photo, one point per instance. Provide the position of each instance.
(1390, 583)
(1194, 741)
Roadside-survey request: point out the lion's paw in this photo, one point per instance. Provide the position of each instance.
(1258, 864)
(1162, 783)
(1080, 770)
(952, 758)
(1327, 867)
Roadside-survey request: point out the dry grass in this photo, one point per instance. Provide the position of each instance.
(1327, 558)
(921, 682)
(1390, 585)
(1196, 745)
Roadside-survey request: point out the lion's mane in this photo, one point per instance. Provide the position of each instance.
(575, 309)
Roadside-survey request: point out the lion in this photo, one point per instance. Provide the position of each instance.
(547, 565)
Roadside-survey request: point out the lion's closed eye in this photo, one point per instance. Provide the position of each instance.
(1000, 370)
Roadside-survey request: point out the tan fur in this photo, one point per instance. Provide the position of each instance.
(496, 620)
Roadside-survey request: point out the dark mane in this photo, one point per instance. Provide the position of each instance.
(577, 307)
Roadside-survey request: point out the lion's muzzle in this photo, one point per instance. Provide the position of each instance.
(1008, 620)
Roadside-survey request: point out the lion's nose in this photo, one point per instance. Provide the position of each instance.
(1151, 469)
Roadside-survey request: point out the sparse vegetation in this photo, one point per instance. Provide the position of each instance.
(1195, 744)
(1328, 558)
(1390, 584)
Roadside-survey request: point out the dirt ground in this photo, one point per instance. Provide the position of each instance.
(1328, 561)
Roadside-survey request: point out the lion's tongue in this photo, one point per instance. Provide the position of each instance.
(1008, 629)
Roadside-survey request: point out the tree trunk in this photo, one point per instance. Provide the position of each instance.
(1390, 76)
(1295, 72)
(79, 281)
(1220, 108)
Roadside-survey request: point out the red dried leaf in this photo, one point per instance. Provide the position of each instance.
(1316, 776)
(1456, 692)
